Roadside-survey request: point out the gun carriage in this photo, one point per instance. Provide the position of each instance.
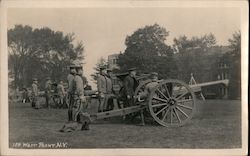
(171, 103)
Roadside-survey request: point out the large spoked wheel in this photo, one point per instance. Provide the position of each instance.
(172, 103)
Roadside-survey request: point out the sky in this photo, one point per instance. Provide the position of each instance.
(103, 30)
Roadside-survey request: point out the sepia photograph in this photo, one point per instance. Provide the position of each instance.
(130, 76)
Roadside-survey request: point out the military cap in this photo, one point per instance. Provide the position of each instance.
(34, 79)
(131, 69)
(109, 70)
(154, 74)
(72, 66)
(102, 67)
(77, 67)
(75, 64)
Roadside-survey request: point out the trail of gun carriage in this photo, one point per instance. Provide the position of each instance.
(133, 106)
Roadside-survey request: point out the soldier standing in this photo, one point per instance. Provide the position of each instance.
(130, 84)
(25, 95)
(61, 93)
(34, 93)
(47, 92)
(108, 105)
(102, 88)
(79, 92)
(71, 88)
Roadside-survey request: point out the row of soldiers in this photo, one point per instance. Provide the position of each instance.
(105, 89)
(130, 83)
(106, 92)
(48, 88)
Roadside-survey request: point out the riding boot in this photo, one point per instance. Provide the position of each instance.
(142, 119)
(85, 126)
(69, 116)
(78, 118)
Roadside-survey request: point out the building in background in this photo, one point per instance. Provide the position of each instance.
(112, 61)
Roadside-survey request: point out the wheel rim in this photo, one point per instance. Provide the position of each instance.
(172, 106)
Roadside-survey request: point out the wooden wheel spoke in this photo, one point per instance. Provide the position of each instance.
(161, 110)
(185, 106)
(159, 99)
(181, 95)
(177, 115)
(160, 104)
(165, 115)
(182, 111)
(185, 100)
(167, 90)
(162, 94)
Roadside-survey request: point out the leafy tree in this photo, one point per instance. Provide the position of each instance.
(146, 50)
(101, 63)
(190, 55)
(204, 42)
(234, 57)
(235, 44)
(40, 53)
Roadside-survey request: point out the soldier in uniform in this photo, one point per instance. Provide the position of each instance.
(71, 89)
(130, 84)
(79, 92)
(101, 88)
(108, 104)
(149, 86)
(25, 95)
(34, 89)
(77, 100)
(61, 93)
(47, 92)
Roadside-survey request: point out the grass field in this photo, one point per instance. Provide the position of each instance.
(216, 124)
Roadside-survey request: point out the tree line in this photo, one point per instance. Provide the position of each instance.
(146, 49)
(40, 53)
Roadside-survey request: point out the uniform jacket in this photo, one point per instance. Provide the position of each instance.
(150, 86)
(34, 89)
(79, 85)
(60, 90)
(70, 79)
(48, 86)
(130, 85)
(109, 85)
(104, 84)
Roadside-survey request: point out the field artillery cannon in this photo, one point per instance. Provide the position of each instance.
(171, 103)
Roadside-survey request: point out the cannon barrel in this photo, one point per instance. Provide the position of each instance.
(197, 87)
(225, 82)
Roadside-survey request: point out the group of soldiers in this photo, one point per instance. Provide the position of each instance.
(77, 104)
(130, 83)
(105, 89)
(106, 92)
(77, 101)
(48, 93)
